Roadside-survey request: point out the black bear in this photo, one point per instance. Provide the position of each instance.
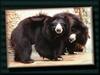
(78, 33)
(47, 33)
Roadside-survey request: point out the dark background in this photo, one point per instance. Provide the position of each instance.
(23, 4)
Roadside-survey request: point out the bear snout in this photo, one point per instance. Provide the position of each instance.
(58, 29)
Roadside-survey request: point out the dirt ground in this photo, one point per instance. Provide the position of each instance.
(84, 58)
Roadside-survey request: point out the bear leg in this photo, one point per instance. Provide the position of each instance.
(23, 52)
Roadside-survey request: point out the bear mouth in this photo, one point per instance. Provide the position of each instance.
(58, 31)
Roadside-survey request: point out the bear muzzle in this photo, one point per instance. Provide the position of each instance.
(58, 29)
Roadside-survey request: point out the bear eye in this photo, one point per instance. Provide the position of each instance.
(53, 24)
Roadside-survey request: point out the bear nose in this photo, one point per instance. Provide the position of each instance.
(58, 30)
(71, 39)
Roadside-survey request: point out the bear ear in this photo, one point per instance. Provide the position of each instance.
(47, 20)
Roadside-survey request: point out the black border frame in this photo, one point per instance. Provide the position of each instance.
(24, 4)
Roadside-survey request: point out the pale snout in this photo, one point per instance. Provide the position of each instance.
(58, 29)
(72, 38)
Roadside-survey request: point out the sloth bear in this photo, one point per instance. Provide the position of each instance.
(78, 34)
(48, 34)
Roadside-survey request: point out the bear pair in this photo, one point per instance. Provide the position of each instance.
(50, 35)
